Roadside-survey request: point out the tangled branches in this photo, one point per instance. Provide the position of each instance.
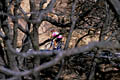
(97, 18)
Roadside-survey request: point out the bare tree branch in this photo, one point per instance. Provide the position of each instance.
(61, 55)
